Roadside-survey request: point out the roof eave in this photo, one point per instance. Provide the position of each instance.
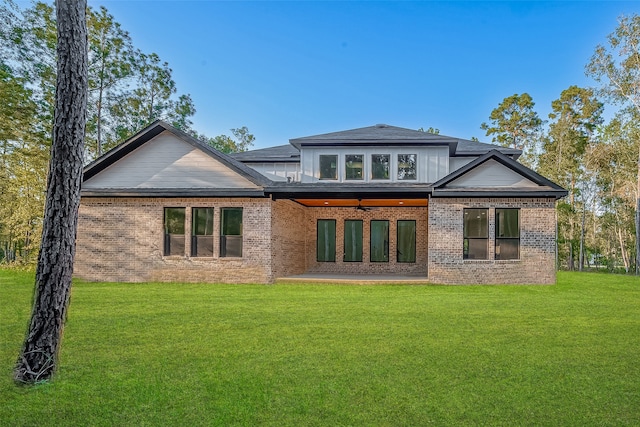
(375, 143)
(550, 193)
(172, 192)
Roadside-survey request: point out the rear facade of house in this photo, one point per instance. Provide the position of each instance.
(379, 200)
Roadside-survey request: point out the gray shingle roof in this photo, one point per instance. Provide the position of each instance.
(475, 148)
(392, 135)
(280, 153)
(371, 135)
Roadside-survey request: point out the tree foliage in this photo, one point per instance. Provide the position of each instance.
(224, 143)
(128, 89)
(112, 60)
(616, 66)
(575, 116)
(514, 123)
(430, 129)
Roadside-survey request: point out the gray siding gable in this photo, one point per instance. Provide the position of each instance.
(495, 173)
(161, 156)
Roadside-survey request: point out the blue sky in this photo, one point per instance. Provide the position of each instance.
(299, 68)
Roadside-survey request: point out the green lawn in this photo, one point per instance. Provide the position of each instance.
(324, 355)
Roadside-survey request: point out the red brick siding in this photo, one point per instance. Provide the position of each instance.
(289, 244)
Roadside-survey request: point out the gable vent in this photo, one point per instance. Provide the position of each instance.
(381, 125)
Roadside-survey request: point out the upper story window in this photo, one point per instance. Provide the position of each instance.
(328, 166)
(380, 166)
(407, 166)
(354, 166)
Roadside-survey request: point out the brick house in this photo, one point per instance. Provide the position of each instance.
(380, 200)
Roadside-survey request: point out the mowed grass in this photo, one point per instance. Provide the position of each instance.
(325, 355)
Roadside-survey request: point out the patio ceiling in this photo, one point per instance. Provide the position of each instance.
(363, 202)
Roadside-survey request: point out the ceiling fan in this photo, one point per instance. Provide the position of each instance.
(362, 208)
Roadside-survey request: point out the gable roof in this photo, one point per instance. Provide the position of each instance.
(153, 130)
(545, 187)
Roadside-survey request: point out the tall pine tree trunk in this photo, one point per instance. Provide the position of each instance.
(38, 359)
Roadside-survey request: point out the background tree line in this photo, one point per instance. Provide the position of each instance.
(128, 89)
(598, 162)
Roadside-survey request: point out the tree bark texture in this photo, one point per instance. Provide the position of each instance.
(38, 358)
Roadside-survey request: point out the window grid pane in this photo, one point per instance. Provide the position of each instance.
(407, 166)
(475, 234)
(202, 232)
(352, 240)
(328, 167)
(202, 222)
(380, 166)
(406, 242)
(174, 223)
(326, 240)
(231, 232)
(379, 241)
(354, 166)
(507, 234)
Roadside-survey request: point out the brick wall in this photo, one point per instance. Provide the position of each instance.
(122, 240)
(537, 243)
(367, 267)
(289, 244)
